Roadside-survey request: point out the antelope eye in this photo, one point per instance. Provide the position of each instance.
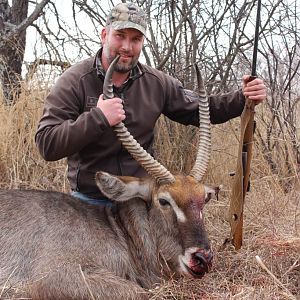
(163, 202)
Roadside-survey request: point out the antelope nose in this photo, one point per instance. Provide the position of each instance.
(204, 259)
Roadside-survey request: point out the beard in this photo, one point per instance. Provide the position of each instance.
(121, 67)
(125, 68)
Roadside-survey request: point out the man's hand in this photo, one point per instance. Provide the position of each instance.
(112, 110)
(254, 89)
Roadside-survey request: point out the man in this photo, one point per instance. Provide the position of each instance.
(77, 122)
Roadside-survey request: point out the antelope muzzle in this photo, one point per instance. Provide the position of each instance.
(196, 262)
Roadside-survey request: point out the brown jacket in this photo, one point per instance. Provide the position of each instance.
(73, 127)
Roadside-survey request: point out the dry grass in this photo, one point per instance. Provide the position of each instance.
(21, 166)
(272, 217)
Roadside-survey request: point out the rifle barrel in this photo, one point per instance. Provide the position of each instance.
(255, 48)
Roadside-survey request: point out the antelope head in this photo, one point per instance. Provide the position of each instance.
(176, 201)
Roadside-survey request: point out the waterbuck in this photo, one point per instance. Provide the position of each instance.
(53, 246)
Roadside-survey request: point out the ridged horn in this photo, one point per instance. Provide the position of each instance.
(152, 166)
(204, 147)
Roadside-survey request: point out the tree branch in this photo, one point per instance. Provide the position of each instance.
(29, 20)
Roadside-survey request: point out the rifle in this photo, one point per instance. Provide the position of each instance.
(241, 183)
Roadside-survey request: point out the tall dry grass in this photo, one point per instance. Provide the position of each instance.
(21, 166)
(267, 266)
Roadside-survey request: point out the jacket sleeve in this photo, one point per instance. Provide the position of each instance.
(63, 129)
(182, 105)
(224, 107)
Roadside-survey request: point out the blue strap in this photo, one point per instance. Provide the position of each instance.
(89, 200)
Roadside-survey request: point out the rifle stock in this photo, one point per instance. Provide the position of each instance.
(242, 174)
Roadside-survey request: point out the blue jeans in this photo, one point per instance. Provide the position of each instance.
(89, 200)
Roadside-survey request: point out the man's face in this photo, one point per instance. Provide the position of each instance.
(125, 42)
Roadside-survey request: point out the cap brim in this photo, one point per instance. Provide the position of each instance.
(117, 25)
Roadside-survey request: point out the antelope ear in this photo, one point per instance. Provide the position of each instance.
(123, 188)
(211, 192)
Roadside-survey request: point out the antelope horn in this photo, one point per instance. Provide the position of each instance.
(204, 147)
(152, 166)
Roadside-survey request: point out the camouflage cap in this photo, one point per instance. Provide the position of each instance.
(127, 15)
